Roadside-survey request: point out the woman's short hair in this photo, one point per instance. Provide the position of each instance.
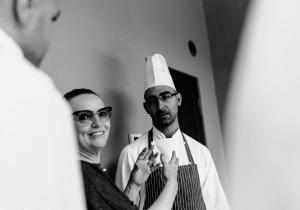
(76, 92)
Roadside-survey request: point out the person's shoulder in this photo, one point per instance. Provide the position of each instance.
(30, 80)
(20, 74)
(201, 154)
(196, 145)
(90, 171)
(85, 165)
(85, 168)
(141, 142)
(38, 78)
(44, 87)
(31, 87)
(91, 177)
(133, 149)
(40, 93)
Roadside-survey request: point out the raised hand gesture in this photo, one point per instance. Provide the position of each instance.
(171, 167)
(144, 166)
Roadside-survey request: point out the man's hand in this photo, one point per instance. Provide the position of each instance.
(144, 166)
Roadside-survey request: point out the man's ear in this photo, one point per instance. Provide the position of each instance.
(179, 99)
(145, 107)
(23, 11)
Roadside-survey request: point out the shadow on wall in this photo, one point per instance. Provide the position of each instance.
(118, 132)
(112, 77)
(224, 20)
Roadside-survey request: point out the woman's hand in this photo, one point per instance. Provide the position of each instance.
(167, 196)
(144, 166)
(171, 167)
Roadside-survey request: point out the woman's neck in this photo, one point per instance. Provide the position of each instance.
(89, 157)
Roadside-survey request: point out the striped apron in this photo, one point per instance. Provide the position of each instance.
(189, 195)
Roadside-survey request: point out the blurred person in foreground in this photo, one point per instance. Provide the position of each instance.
(37, 153)
(92, 122)
(262, 113)
(198, 182)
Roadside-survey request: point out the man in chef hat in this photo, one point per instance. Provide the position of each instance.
(199, 185)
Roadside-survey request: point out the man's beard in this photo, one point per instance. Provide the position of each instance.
(161, 122)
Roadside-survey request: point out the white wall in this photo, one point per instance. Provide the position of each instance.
(101, 44)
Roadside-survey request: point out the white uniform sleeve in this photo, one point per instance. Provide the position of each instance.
(212, 190)
(125, 165)
(123, 170)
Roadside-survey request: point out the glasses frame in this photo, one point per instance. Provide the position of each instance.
(159, 98)
(109, 113)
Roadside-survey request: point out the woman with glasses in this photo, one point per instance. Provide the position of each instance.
(92, 122)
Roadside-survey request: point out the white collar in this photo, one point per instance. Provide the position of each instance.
(157, 134)
(9, 44)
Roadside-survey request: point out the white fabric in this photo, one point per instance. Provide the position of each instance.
(157, 72)
(212, 190)
(263, 109)
(38, 149)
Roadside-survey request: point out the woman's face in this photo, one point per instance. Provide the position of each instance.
(92, 129)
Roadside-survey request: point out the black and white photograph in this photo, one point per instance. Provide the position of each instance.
(150, 105)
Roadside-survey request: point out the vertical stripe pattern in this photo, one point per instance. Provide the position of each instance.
(189, 195)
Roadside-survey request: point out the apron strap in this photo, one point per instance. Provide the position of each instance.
(187, 149)
(150, 137)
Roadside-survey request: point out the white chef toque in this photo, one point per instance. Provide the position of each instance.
(157, 72)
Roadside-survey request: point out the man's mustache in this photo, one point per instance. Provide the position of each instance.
(162, 112)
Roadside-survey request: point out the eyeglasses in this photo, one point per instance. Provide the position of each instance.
(86, 116)
(163, 97)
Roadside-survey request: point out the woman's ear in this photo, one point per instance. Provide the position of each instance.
(23, 11)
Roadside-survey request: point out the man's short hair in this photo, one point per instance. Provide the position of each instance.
(76, 92)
